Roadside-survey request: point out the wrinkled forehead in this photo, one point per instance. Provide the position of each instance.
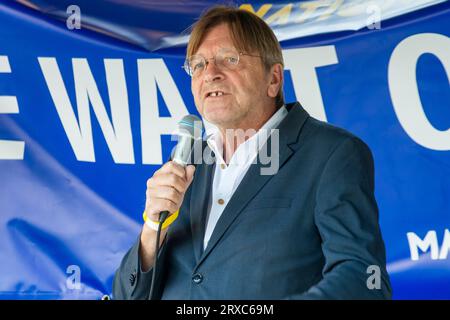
(216, 38)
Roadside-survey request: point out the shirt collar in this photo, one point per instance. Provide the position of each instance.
(248, 149)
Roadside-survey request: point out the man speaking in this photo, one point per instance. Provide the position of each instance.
(308, 229)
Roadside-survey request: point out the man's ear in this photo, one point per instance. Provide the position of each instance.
(276, 80)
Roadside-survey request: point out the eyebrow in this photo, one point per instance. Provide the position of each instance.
(220, 48)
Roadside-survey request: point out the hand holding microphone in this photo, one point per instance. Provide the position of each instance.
(166, 188)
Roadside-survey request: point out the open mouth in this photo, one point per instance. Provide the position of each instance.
(215, 94)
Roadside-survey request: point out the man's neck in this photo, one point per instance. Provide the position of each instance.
(234, 136)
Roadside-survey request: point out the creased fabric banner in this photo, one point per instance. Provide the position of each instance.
(87, 112)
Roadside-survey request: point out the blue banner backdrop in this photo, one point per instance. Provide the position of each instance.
(86, 117)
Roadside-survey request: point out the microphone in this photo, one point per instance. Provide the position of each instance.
(189, 129)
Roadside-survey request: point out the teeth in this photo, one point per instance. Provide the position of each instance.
(216, 94)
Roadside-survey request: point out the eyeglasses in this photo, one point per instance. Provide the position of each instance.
(228, 58)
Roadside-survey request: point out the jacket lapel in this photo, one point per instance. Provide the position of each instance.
(200, 195)
(253, 181)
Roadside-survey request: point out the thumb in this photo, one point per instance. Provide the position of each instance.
(190, 169)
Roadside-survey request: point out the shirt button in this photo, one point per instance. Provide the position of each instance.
(197, 278)
(223, 166)
(220, 201)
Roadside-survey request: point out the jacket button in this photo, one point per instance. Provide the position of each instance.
(197, 278)
(132, 278)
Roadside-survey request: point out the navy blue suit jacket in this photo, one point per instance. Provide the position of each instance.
(308, 232)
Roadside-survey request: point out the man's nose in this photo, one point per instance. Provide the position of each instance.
(212, 71)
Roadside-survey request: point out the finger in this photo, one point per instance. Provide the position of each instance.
(168, 180)
(164, 192)
(190, 170)
(173, 167)
(157, 205)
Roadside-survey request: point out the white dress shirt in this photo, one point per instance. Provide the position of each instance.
(227, 178)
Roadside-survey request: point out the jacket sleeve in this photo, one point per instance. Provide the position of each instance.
(130, 282)
(346, 216)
